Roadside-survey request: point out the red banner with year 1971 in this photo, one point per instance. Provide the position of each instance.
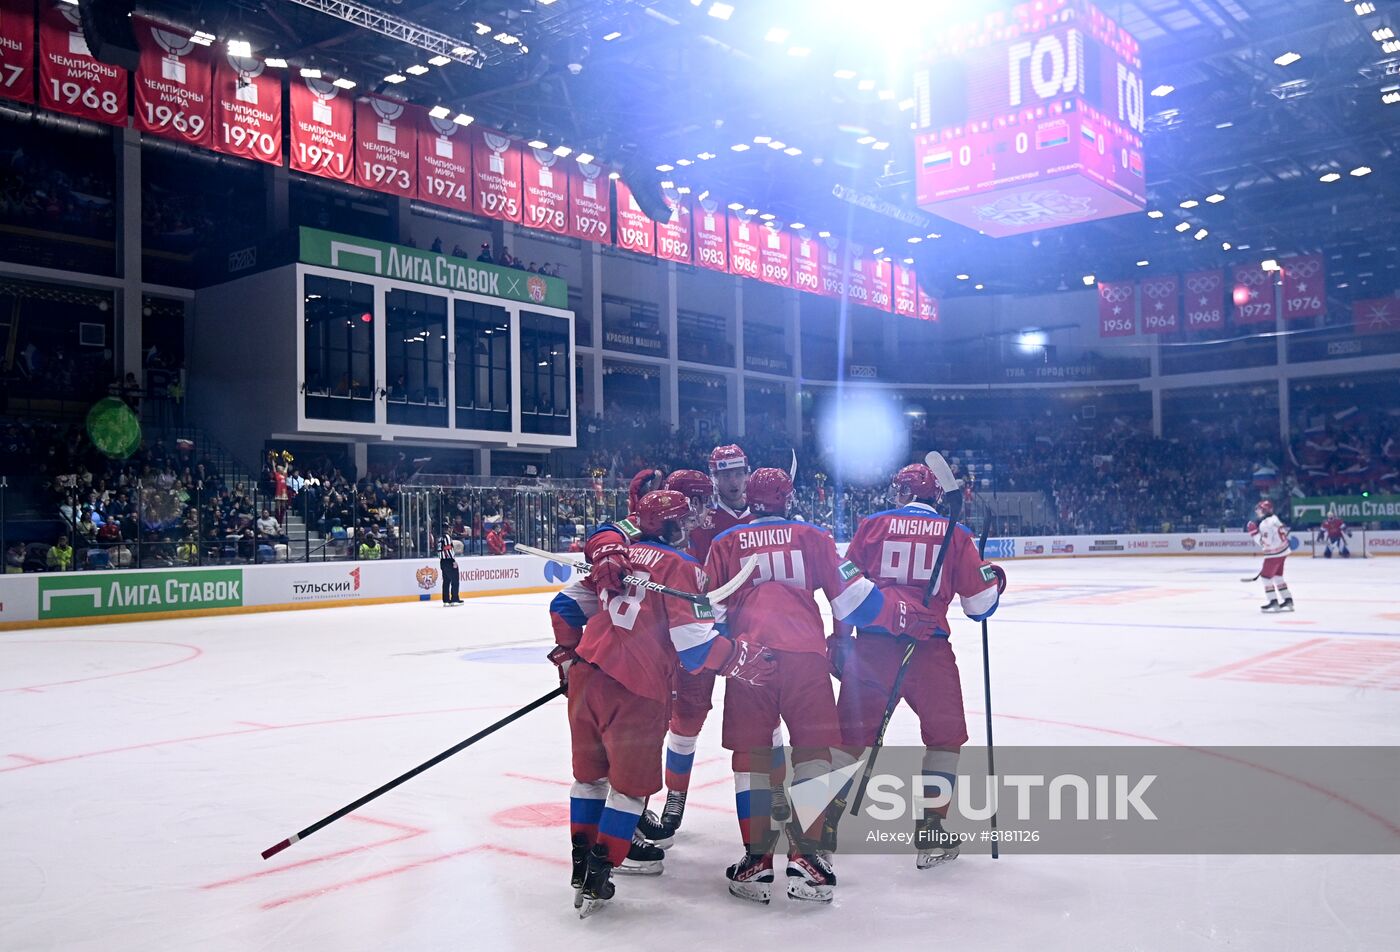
(323, 126)
(546, 189)
(1116, 307)
(17, 50)
(590, 207)
(1304, 286)
(1160, 305)
(445, 164)
(173, 84)
(71, 80)
(247, 109)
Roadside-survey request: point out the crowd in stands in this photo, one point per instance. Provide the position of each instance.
(37, 193)
(502, 257)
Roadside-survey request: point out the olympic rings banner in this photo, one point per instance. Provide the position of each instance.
(1161, 304)
(1117, 308)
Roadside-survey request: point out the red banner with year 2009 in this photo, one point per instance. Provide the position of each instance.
(323, 125)
(590, 207)
(1116, 308)
(545, 185)
(247, 109)
(386, 145)
(17, 50)
(71, 80)
(496, 171)
(172, 84)
(445, 164)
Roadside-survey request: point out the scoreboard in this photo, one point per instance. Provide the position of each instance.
(1030, 118)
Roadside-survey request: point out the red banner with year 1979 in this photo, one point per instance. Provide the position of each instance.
(323, 125)
(445, 164)
(546, 189)
(1205, 300)
(673, 241)
(173, 84)
(1116, 300)
(590, 207)
(17, 50)
(775, 254)
(247, 109)
(71, 80)
(496, 170)
(806, 262)
(710, 226)
(1304, 286)
(1160, 305)
(386, 145)
(905, 291)
(635, 231)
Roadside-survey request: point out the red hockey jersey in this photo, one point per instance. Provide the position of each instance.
(722, 518)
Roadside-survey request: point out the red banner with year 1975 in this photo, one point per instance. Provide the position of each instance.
(247, 109)
(1160, 305)
(496, 170)
(71, 79)
(1116, 308)
(173, 84)
(1205, 300)
(17, 50)
(1304, 286)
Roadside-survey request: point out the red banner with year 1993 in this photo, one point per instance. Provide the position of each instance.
(172, 84)
(1304, 286)
(1160, 305)
(71, 80)
(247, 109)
(17, 50)
(546, 190)
(1205, 300)
(1116, 308)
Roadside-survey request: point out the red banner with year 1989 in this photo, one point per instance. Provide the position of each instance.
(17, 50)
(496, 169)
(71, 80)
(247, 109)
(445, 164)
(546, 190)
(323, 124)
(775, 254)
(590, 206)
(172, 84)
(635, 231)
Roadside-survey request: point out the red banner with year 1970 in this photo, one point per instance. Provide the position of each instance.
(1116, 307)
(590, 207)
(247, 109)
(545, 178)
(1160, 305)
(1204, 293)
(17, 50)
(173, 84)
(445, 164)
(323, 127)
(71, 80)
(1304, 286)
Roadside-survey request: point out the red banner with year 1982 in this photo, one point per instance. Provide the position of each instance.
(71, 80)
(1116, 307)
(17, 50)
(247, 109)
(673, 235)
(1160, 305)
(546, 190)
(172, 84)
(590, 207)
(323, 124)
(386, 145)
(445, 164)
(1304, 286)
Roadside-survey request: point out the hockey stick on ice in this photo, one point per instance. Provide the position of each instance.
(987, 678)
(707, 598)
(352, 807)
(1256, 577)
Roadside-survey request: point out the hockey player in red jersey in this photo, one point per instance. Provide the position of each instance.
(619, 678)
(1271, 535)
(778, 607)
(1334, 532)
(897, 549)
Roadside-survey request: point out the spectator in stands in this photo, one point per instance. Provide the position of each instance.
(496, 540)
(247, 546)
(60, 558)
(370, 547)
(269, 529)
(485, 254)
(14, 558)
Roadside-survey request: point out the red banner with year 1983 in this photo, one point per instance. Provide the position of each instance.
(323, 124)
(1304, 286)
(546, 189)
(172, 84)
(445, 164)
(71, 80)
(17, 50)
(590, 206)
(386, 145)
(247, 109)
(1116, 307)
(709, 224)
(1160, 305)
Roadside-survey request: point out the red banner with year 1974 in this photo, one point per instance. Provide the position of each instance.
(1160, 305)
(323, 126)
(635, 231)
(546, 189)
(905, 290)
(173, 84)
(1304, 286)
(17, 50)
(590, 206)
(806, 262)
(673, 242)
(386, 145)
(496, 171)
(71, 80)
(1116, 308)
(247, 109)
(445, 164)
(1205, 300)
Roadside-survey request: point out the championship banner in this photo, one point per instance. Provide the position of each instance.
(710, 223)
(673, 237)
(859, 274)
(635, 231)
(833, 267)
(546, 190)
(1205, 300)
(496, 171)
(743, 245)
(806, 262)
(590, 208)
(247, 109)
(17, 50)
(1116, 308)
(928, 305)
(1304, 286)
(386, 145)
(775, 254)
(1376, 316)
(905, 291)
(323, 124)
(173, 84)
(71, 81)
(880, 286)
(1254, 296)
(1160, 305)
(445, 164)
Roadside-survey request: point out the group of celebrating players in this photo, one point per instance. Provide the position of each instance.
(639, 666)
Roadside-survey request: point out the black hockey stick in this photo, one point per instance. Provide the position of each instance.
(351, 807)
(1256, 577)
(987, 678)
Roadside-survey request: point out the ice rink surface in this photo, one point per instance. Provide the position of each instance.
(144, 766)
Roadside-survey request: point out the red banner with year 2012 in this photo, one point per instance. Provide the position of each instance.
(173, 84)
(1116, 308)
(635, 231)
(247, 109)
(1160, 305)
(1205, 300)
(17, 50)
(71, 80)
(590, 207)
(775, 254)
(323, 125)
(496, 171)
(386, 145)
(1304, 286)
(445, 164)
(806, 262)
(905, 291)
(545, 179)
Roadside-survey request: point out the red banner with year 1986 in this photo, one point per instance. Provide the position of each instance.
(247, 109)
(173, 84)
(71, 79)
(17, 50)
(546, 189)
(743, 244)
(1160, 305)
(1116, 307)
(1304, 286)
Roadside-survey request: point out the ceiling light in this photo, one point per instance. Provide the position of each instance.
(538, 144)
(1364, 9)
(880, 146)
(1201, 233)
(663, 167)
(1215, 199)
(762, 140)
(584, 158)
(609, 37)
(563, 151)
(751, 211)
(799, 51)
(1390, 46)
(908, 260)
(767, 216)
(933, 234)
(343, 83)
(1183, 226)
(505, 38)
(797, 226)
(395, 78)
(545, 3)
(1225, 246)
(1269, 264)
(865, 140)
(885, 94)
(439, 112)
(1361, 170)
(481, 29)
(792, 150)
(706, 156)
(980, 287)
(865, 85)
(614, 175)
(1330, 177)
(721, 11)
(823, 234)
(203, 37)
(684, 190)
(1227, 124)
(1287, 59)
(845, 74)
(879, 251)
(777, 145)
(417, 69)
(777, 35)
(1384, 33)
(309, 73)
(913, 239)
(1143, 263)
(240, 48)
(1393, 96)
(704, 195)
(1088, 280)
(739, 147)
(462, 119)
(1190, 203)
(440, 60)
(275, 62)
(906, 104)
(736, 206)
(1164, 90)
(1154, 214)
(961, 277)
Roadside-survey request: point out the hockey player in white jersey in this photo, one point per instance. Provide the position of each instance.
(1271, 535)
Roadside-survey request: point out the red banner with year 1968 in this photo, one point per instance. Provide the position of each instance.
(546, 189)
(806, 262)
(71, 80)
(1304, 286)
(496, 171)
(673, 241)
(1205, 300)
(172, 84)
(590, 207)
(1116, 307)
(635, 231)
(17, 50)
(710, 226)
(445, 164)
(386, 145)
(247, 109)
(1160, 305)
(323, 124)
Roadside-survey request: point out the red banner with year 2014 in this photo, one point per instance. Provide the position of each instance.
(775, 254)
(545, 184)
(590, 207)
(905, 291)
(673, 235)
(1304, 286)
(173, 84)
(635, 231)
(1116, 299)
(1160, 305)
(247, 109)
(1254, 296)
(386, 145)
(71, 80)
(496, 171)
(928, 305)
(323, 126)
(17, 50)
(445, 164)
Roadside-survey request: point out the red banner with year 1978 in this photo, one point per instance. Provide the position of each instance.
(673, 242)
(1254, 296)
(905, 290)
(173, 84)
(1304, 286)
(71, 80)
(590, 206)
(323, 125)
(496, 170)
(710, 226)
(17, 50)
(635, 231)
(1116, 307)
(445, 164)
(1205, 300)
(546, 190)
(1160, 305)
(247, 109)
(386, 145)
(806, 262)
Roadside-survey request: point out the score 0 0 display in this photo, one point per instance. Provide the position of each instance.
(1031, 118)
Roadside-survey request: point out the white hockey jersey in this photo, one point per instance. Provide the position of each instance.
(1272, 537)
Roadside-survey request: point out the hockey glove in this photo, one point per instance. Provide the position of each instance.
(609, 564)
(1001, 576)
(1252, 528)
(563, 659)
(749, 662)
(907, 618)
(838, 652)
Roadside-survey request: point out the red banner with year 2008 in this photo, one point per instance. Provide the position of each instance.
(247, 109)
(1116, 308)
(323, 126)
(172, 84)
(17, 50)
(545, 178)
(71, 80)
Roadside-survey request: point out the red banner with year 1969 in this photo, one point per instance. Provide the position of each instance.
(806, 262)
(635, 231)
(905, 291)
(496, 170)
(445, 164)
(709, 224)
(1304, 286)
(386, 145)
(323, 124)
(173, 84)
(71, 80)
(775, 254)
(1116, 299)
(546, 190)
(1254, 296)
(1160, 305)
(17, 50)
(247, 109)
(1205, 300)
(590, 207)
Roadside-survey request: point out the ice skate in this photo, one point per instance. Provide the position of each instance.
(655, 831)
(597, 886)
(934, 844)
(752, 878)
(643, 859)
(810, 877)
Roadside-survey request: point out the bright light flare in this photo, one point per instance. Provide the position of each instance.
(865, 434)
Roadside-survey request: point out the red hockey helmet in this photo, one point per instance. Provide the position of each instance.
(770, 491)
(1265, 508)
(642, 483)
(727, 457)
(698, 489)
(917, 480)
(659, 508)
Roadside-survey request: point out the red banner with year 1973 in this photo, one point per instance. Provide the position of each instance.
(806, 262)
(496, 171)
(1116, 307)
(905, 291)
(1160, 305)
(173, 84)
(635, 231)
(247, 109)
(71, 80)
(386, 145)
(1254, 296)
(17, 50)
(775, 254)
(590, 207)
(1205, 300)
(710, 226)
(546, 190)
(323, 125)
(673, 242)
(445, 164)
(1304, 286)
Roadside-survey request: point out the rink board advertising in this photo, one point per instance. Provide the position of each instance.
(1311, 510)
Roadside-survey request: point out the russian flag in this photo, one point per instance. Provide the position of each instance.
(938, 160)
(1051, 135)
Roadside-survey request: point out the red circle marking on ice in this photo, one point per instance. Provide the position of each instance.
(194, 652)
(533, 814)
